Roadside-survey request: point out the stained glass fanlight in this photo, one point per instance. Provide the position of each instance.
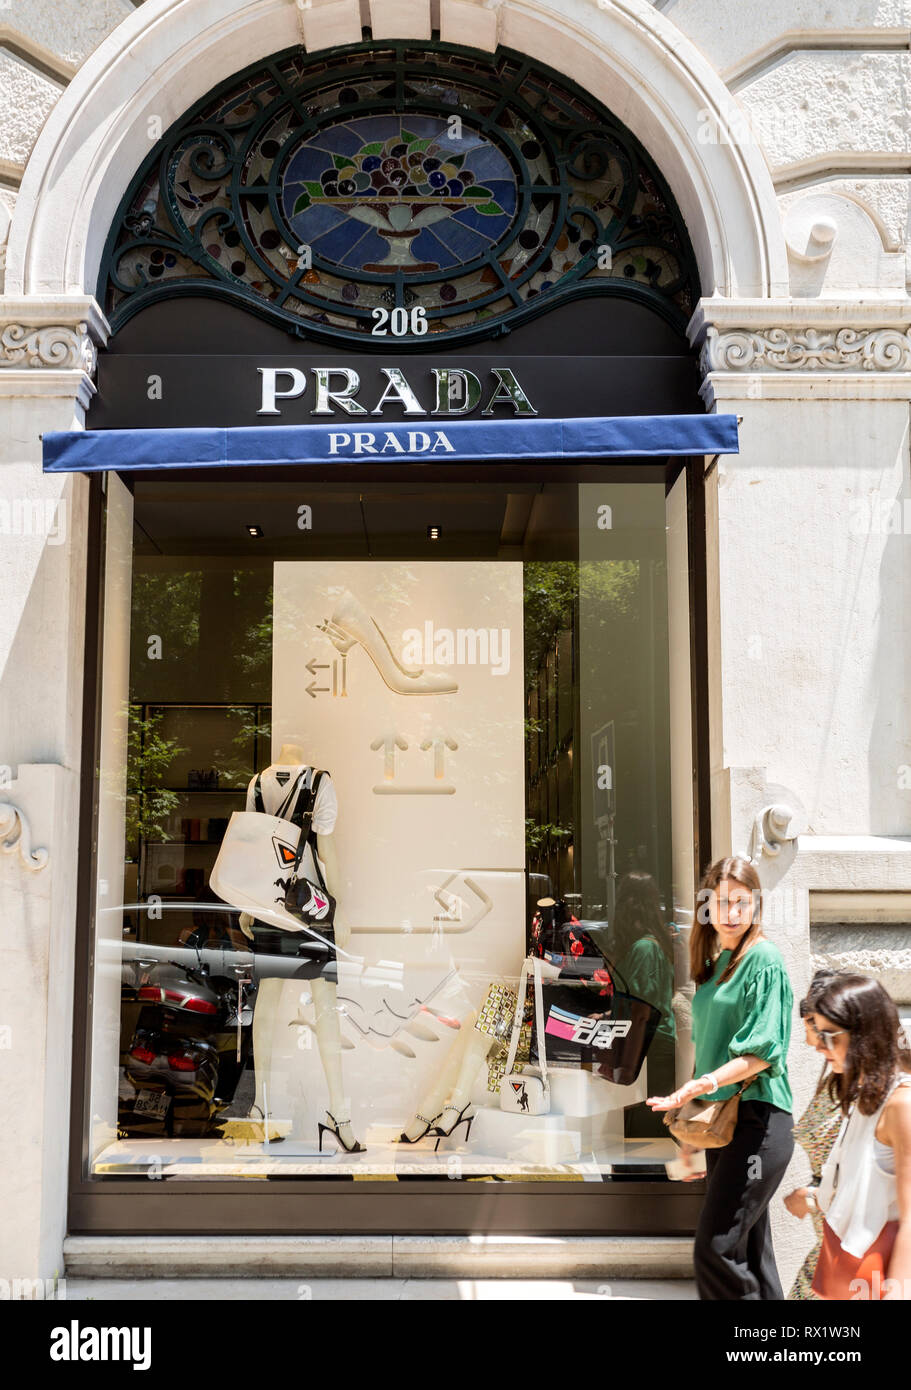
(325, 193)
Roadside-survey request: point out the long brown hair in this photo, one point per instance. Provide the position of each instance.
(877, 1048)
(638, 913)
(703, 937)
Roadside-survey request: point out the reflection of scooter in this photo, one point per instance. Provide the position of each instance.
(189, 1048)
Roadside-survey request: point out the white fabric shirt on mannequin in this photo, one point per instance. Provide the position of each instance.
(269, 1009)
(275, 782)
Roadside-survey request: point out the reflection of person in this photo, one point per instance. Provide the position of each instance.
(644, 953)
(741, 1031)
(639, 942)
(865, 1191)
(815, 1132)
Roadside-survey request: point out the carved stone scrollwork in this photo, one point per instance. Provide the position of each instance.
(773, 843)
(772, 830)
(89, 357)
(806, 349)
(51, 345)
(16, 835)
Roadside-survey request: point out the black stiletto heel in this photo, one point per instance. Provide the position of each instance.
(463, 1119)
(428, 1129)
(333, 1129)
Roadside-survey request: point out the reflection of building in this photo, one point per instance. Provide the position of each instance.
(733, 619)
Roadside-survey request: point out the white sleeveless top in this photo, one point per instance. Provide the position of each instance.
(856, 1193)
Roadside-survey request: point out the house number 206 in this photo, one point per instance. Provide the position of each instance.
(400, 322)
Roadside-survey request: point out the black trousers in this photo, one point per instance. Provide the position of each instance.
(733, 1251)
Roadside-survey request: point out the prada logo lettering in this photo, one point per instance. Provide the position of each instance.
(587, 1032)
(600, 1032)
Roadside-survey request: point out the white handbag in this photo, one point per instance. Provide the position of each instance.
(526, 1092)
(256, 859)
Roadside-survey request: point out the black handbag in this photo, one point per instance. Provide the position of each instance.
(311, 903)
(591, 1021)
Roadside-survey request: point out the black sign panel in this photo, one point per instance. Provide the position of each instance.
(191, 362)
(151, 392)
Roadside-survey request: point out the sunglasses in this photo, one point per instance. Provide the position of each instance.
(825, 1035)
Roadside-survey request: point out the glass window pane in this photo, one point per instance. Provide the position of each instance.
(493, 714)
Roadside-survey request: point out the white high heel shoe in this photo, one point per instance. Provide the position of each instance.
(350, 623)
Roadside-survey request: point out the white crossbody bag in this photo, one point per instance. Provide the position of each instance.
(259, 854)
(521, 1092)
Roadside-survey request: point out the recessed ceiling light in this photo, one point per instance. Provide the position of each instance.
(433, 533)
(254, 530)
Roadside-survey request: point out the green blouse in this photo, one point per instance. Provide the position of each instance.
(650, 976)
(749, 1013)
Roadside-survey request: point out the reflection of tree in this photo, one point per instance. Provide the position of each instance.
(609, 587)
(214, 623)
(256, 653)
(166, 605)
(623, 679)
(550, 596)
(236, 766)
(541, 838)
(609, 590)
(149, 755)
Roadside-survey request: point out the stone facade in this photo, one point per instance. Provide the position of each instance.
(784, 132)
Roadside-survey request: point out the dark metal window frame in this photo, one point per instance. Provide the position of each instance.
(321, 1206)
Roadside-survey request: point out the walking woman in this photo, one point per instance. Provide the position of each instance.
(741, 1031)
(865, 1192)
(815, 1132)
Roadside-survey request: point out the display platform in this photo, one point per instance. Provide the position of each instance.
(202, 1159)
(583, 1140)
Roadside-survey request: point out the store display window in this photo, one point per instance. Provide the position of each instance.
(388, 876)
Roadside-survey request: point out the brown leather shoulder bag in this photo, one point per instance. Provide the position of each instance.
(705, 1124)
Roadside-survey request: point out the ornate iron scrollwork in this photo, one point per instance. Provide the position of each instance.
(325, 193)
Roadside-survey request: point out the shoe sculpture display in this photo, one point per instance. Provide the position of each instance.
(350, 624)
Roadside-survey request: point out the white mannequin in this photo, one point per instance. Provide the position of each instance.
(291, 758)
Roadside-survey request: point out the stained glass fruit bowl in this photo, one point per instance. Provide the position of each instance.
(398, 187)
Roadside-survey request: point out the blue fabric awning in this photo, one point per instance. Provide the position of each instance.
(345, 440)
